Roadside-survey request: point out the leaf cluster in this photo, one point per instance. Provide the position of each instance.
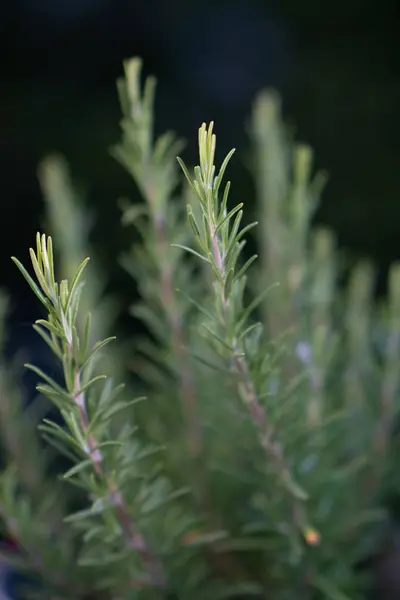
(259, 463)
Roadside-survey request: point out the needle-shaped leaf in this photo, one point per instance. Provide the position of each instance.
(30, 281)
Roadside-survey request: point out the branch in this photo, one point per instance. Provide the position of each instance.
(135, 539)
(221, 246)
(62, 303)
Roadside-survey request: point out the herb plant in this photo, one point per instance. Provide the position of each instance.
(256, 454)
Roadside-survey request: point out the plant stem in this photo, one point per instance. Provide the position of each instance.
(226, 565)
(246, 388)
(135, 539)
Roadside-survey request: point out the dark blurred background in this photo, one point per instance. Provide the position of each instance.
(335, 63)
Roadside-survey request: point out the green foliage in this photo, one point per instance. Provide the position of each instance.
(32, 503)
(261, 458)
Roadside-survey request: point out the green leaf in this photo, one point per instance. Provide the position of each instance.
(233, 255)
(93, 532)
(228, 217)
(53, 384)
(328, 588)
(109, 394)
(149, 93)
(78, 468)
(233, 233)
(162, 146)
(51, 327)
(192, 222)
(294, 488)
(30, 281)
(75, 344)
(207, 539)
(59, 400)
(187, 174)
(211, 365)
(55, 430)
(97, 347)
(106, 559)
(255, 544)
(75, 426)
(75, 282)
(245, 267)
(131, 213)
(52, 345)
(246, 332)
(39, 275)
(155, 505)
(110, 443)
(89, 384)
(194, 302)
(80, 515)
(51, 262)
(86, 337)
(224, 202)
(218, 273)
(218, 338)
(229, 280)
(191, 251)
(253, 305)
(119, 407)
(246, 229)
(218, 179)
(61, 448)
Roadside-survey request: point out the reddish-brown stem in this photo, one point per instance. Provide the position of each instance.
(135, 539)
(225, 565)
(246, 388)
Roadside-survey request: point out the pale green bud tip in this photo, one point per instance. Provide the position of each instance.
(303, 164)
(267, 111)
(132, 70)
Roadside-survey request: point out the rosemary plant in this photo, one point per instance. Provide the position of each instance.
(261, 459)
(32, 502)
(157, 269)
(88, 425)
